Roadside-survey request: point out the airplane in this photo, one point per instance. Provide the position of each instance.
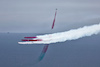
(35, 39)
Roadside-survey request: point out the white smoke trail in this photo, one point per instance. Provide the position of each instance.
(67, 35)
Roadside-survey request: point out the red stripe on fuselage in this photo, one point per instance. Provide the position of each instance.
(32, 40)
(25, 40)
(36, 40)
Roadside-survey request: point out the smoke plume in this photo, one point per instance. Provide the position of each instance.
(72, 34)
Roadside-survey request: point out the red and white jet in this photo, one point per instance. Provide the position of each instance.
(30, 40)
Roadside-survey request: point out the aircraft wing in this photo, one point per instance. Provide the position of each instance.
(43, 52)
(46, 46)
(30, 40)
(54, 19)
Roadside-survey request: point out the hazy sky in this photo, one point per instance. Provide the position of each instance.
(36, 16)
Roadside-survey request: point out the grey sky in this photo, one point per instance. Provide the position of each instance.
(36, 16)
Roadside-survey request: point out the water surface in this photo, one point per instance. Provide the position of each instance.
(83, 52)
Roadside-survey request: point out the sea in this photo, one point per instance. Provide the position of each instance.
(83, 52)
